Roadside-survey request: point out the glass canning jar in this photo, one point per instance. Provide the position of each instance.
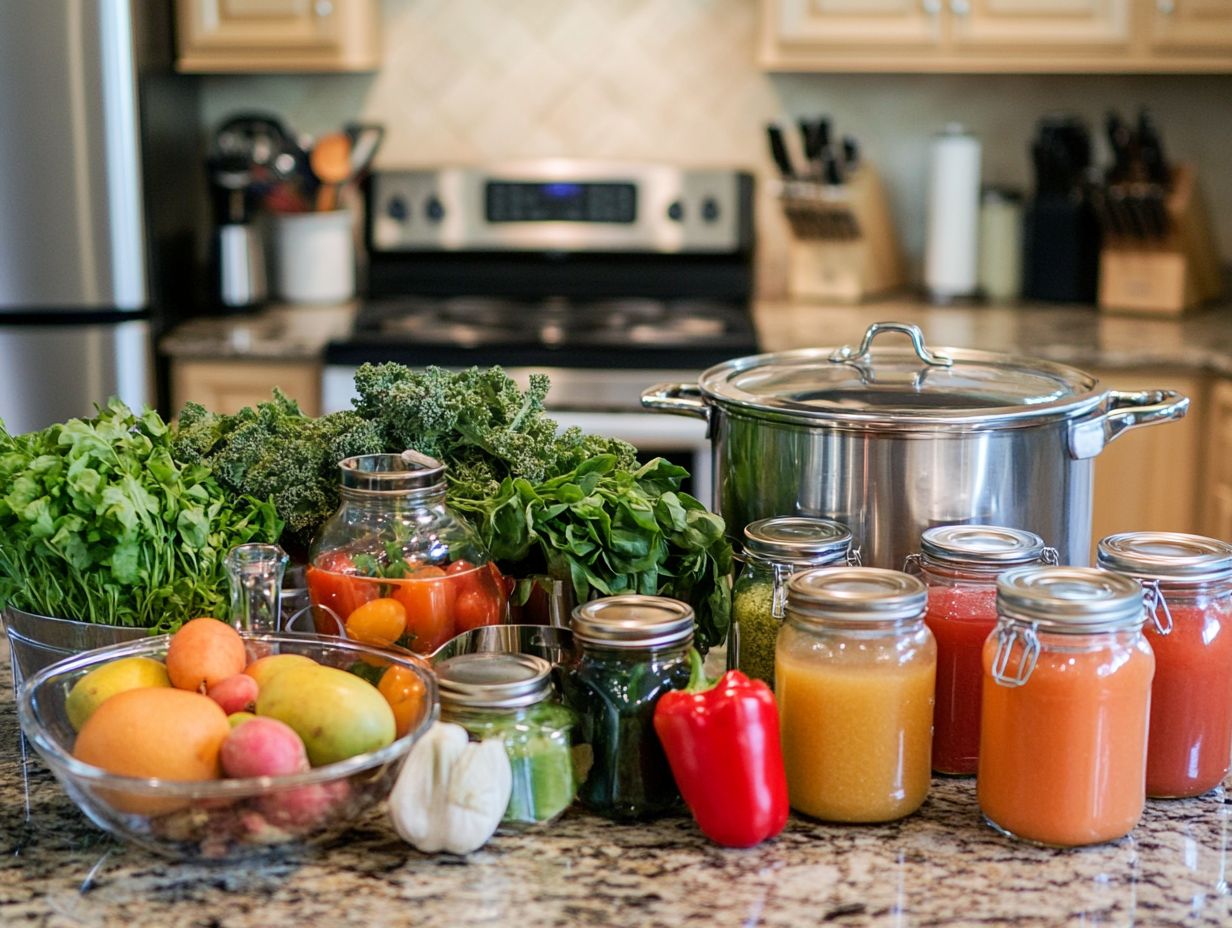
(774, 549)
(510, 696)
(394, 565)
(854, 674)
(1187, 581)
(959, 564)
(633, 650)
(1067, 690)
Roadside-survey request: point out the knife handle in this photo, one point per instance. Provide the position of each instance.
(778, 151)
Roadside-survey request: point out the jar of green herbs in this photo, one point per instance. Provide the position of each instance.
(510, 697)
(774, 549)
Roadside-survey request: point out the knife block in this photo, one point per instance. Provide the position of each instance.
(843, 248)
(1168, 276)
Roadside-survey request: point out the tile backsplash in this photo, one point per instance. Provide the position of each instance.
(677, 80)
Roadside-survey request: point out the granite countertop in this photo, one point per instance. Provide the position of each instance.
(938, 867)
(1199, 343)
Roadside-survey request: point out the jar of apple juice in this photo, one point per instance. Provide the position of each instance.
(959, 564)
(1066, 700)
(1187, 581)
(854, 673)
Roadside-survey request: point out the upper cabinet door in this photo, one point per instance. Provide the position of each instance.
(1036, 24)
(859, 22)
(1191, 25)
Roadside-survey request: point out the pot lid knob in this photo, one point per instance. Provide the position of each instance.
(848, 354)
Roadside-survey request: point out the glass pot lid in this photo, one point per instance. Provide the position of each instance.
(897, 387)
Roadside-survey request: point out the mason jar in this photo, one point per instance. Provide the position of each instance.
(510, 697)
(1067, 692)
(1187, 580)
(959, 564)
(394, 565)
(634, 649)
(854, 673)
(774, 549)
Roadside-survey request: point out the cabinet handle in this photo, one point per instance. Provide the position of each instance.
(931, 7)
(960, 7)
(1166, 7)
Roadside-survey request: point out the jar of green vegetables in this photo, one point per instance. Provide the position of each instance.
(510, 696)
(774, 549)
(634, 648)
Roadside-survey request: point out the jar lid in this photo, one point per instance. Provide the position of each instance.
(493, 680)
(392, 473)
(1170, 557)
(1075, 600)
(981, 546)
(856, 594)
(633, 621)
(797, 539)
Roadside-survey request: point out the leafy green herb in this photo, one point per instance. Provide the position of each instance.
(100, 523)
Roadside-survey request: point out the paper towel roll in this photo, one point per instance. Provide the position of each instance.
(951, 246)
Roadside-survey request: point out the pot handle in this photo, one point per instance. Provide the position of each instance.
(848, 354)
(1087, 437)
(681, 399)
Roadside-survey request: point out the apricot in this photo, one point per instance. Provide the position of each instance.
(204, 652)
(154, 732)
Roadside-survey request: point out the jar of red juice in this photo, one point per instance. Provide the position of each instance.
(959, 564)
(1188, 585)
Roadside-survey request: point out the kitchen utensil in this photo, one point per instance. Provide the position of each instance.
(952, 240)
(999, 269)
(230, 819)
(365, 141)
(892, 442)
(331, 163)
(778, 151)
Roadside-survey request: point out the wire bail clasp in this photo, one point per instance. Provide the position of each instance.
(1157, 606)
(1007, 637)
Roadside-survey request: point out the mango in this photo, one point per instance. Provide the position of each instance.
(236, 719)
(263, 669)
(337, 714)
(101, 683)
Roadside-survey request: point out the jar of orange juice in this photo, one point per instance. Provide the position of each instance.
(959, 564)
(1067, 692)
(1188, 584)
(854, 672)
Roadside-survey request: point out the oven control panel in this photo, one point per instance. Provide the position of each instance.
(555, 205)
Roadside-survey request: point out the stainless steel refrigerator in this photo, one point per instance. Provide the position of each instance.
(99, 203)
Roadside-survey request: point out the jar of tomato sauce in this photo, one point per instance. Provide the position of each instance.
(1188, 584)
(1067, 693)
(854, 674)
(394, 565)
(959, 564)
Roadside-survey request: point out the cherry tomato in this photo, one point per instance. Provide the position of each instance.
(429, 601)
(379, 621)
(483, 603)
(404, 692)
(331, 583)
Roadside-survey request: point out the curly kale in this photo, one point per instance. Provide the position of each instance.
(477, 421)
(275, 452)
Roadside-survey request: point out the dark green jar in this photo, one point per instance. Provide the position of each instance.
(633, 650)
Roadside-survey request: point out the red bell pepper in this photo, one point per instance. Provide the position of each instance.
(722, 741)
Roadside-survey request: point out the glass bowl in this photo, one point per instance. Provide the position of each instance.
(227, 819)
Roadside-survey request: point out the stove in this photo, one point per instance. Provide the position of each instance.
(609, 277)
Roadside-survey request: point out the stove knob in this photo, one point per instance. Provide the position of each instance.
(434, 209)
(397, 209)
(675, 211)
(710, 209)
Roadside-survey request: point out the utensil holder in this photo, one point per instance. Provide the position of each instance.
(843, 246)
(316, 257)
(1171, 269)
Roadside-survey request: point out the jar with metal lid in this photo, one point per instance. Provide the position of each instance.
(394, 565)
(633, 650)
(854, 674)
(1187, 581)
(1067, 691)
(959, 564)
(774, 549)
(510, 696)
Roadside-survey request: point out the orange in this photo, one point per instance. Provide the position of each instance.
(154, 732)
(204, 652)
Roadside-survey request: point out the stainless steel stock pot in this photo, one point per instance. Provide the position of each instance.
(893, 441)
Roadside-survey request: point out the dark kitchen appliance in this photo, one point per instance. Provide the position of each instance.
(99, 202)
(606, 276)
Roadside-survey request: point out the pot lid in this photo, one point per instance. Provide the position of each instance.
(1171, 557)
(896, 386)
(1075, 600)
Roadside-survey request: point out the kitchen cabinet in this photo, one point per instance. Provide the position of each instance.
(277, 35)
(229, 385)
(990, 36)
(1151, 479)
(1217, 506)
